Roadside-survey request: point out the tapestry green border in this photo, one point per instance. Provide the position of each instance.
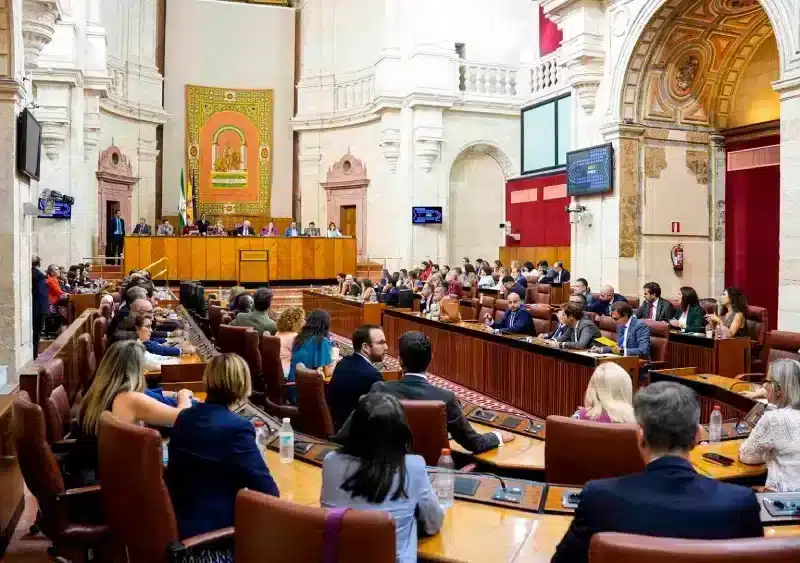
(204, 101)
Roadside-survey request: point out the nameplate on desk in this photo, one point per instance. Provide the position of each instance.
(253, 255)
(484, 415)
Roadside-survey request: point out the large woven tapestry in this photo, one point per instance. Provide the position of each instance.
(229, 149)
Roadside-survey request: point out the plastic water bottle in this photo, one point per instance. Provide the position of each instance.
(715, 426)
(286, 436)
(445, 479)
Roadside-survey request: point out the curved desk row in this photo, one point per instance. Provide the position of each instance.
(347, 314)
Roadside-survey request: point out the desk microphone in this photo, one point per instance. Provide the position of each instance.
(467, 474)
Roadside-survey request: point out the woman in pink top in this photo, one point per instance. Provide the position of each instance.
(609, 396)
(289, 324)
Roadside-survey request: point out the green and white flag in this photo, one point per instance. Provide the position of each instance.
(182, 204)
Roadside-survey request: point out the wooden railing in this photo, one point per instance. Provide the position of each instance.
(163, 272)
(98, 264)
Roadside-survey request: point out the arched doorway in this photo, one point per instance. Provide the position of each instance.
(698, 84)
(477, 203)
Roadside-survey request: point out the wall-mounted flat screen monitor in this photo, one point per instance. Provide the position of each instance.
(590, 170)
(54, 209)
(426, 215)
(29, 145)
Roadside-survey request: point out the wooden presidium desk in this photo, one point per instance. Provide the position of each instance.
(529, 376)
(346, 314)
(220, 258)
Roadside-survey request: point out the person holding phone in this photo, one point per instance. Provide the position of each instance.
(774, 439)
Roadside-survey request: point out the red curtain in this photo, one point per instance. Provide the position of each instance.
(549, 35)
(541, 222)
(752, 223)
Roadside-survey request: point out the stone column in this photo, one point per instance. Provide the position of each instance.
(313, 206)
(144, 196)
(717, 219)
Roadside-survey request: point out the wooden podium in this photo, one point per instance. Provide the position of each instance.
(253, 266)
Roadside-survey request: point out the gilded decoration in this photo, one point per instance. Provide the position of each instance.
(698, 137)
(719, 229)
(697, 163)
(629, 199)
(655, 160)
(228, 149)
(657, 133)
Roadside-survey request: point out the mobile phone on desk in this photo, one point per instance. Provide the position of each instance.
(718, 459)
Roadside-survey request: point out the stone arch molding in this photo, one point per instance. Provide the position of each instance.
(489, 149)
(779, 17)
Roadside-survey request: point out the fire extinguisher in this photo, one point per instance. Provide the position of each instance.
(677, 257)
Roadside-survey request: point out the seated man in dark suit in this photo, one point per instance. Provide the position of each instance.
(653, 307)
(583, 332)
(510, 285)
(391, 295)
(311, 230)
(562, 329)
(245, 230)
(355, 374)
(517, 319)
(415, 355)
(142, 228)
(668, 499)
(557, 275)
(602, 305)
(633, 336)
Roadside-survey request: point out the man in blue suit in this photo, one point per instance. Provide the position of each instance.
(293, 230)
(517, 319)
(633, 336)
(669, 499)
(355, 374)
(602, 305)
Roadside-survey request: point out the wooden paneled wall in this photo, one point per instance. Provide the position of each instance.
(535, 253)
(11, 483)
(217, 258)
(230, 221)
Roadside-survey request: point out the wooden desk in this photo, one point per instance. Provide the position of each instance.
(532, 377)
(523, 453)
(346, 314)
(727, 357)
(729, 448)
(217, 258)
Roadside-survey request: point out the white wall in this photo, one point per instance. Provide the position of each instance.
(225, 44)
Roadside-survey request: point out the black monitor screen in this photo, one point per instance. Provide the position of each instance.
(426, 215)
(590, 170)
(29, 144)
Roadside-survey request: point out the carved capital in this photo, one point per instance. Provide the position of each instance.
(585, 74)
(54, 135)
(38, 28)
(390, 147)
(427, 151)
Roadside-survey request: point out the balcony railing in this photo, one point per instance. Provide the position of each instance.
(487, 80)
(545, 75)
(355, 93)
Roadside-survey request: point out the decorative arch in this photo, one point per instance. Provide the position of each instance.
(489, 149)
(779, 18)
(345, 195)
(233, 128)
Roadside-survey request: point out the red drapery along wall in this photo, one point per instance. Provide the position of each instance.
(752, 230)
(535, 207)
(549, 35)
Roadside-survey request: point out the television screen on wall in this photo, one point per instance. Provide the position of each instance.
(590, 170)
(426, 215)
(29, 145)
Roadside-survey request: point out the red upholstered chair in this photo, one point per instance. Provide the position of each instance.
(500, 308)
(530, 294)
(757, 320)
(428, 423)
(577, 451)
(779, 345)
(608, 327)
(633, 301)
(244, 341)
(215, 313)
(87, 363)
(611, 547)
(275, 393)
(106, 310)
(486, 307)
(138, 509)
(542, 318)
(70, 518)
(532, 279)
(313, 416)
(99, 338)
(292, 533)
(544, 292)
(659, 342)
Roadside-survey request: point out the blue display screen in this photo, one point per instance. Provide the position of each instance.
(590, 170)
(426, 215)
(60, 210)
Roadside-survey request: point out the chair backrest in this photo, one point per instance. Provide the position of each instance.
(100, 340)
(138, 509)
(500, 308)
(37, 463)
(530, 293)
(612, 547)
(57, 414)
(532, 279)
(105, 310)
(270, 350)
(292, 533)
(313, 416)
(577, 451)
(544, 292)
(782, 344)
(659, 339)
(633, 301)
(215, 313)
(87, 363)
(542, 318)
(244, 341)
(708, 304)
(608, 327)
(757, 320)
(428, 423)
(486, 308)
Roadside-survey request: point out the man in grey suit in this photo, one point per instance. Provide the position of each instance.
(258, 319)
(311, 230)
(584, 331)
(653, 307)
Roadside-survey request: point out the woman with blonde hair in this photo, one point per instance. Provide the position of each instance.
(774, 439)
(609, 396)
(213, 454)
(289, 324)
(118, 387)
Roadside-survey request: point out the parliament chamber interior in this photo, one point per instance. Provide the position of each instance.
(369, 280)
